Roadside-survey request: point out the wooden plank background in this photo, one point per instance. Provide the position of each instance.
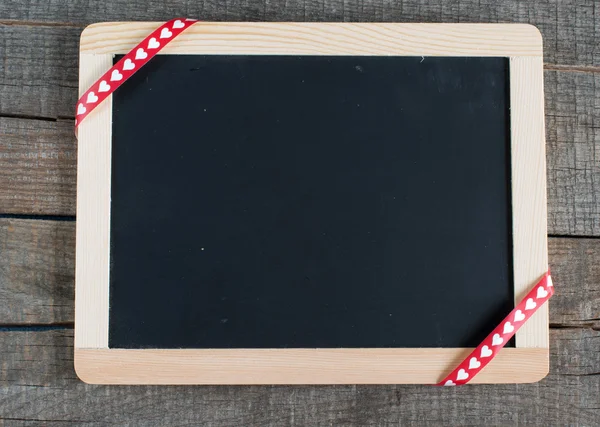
(38, 89)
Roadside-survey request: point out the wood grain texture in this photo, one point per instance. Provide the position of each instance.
(37, 268)
(93, 213)
(96, 364)
(528, 181)
(301, 366)
(572, 133)
(569, 27)
(38, 71)
(37, 275)
(38, 382)
(42, 388)
(575, 265)
(45, 56)
(280, 366)
(37, 166)
(309, 38)
(573, 152)
(37, 264)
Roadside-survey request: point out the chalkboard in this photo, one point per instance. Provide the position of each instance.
(309, 203)
(280, 201)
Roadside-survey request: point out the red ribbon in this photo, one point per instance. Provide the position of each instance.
(129, 65)
(491, 345)
(158, 39)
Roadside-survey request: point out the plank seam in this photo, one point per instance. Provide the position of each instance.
(36, 327)
(68, 218)
(572, 236)
(27, 117)
(19, 23)
(572, 68)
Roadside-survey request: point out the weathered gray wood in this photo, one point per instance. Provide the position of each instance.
(38, 74)
(37, 382)
(38, 78)
(573, 152)
(38, 70)
(37, 268)
(33, 180)
(569, 27)
(37, 271)
(38, 167)
(575, 266)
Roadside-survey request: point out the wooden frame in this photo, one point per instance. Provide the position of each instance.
(527, 362)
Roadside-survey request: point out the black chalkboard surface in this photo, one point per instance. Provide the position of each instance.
(302, 202)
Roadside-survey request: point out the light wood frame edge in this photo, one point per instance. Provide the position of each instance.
(300, 366)
(526, 363)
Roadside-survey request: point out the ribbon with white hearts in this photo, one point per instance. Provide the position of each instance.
(498, 338)
(155, 41)
(128, 65)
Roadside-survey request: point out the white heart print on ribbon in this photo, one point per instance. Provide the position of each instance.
(161, 37)
(462, 375)
(153, 44)
(483, 354)
(519, 316)
(134, 60)
(116, 76)
(104, 87)
(485, 351)
(141, 54)
(128, 65)
(542, 293)
(530, 304)
(497, 340)
(91, 98)
(474, 363)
